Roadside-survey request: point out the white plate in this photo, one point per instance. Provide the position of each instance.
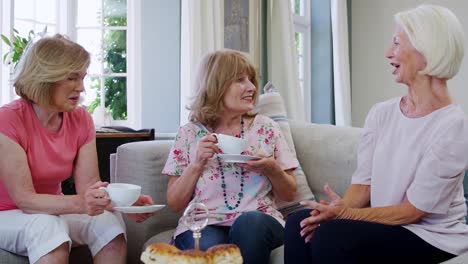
(139, 208)
(236, 158)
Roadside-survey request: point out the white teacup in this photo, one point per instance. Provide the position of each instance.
(122, 194)
(230, 145)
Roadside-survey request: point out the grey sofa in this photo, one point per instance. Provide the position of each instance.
(326, 153)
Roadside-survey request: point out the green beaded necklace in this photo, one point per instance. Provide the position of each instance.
(223, 183)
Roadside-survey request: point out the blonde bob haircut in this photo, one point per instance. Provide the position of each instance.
(437, 34)
(45, 62)
(216, 72)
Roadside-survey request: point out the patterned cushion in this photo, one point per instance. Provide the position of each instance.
(271, 104)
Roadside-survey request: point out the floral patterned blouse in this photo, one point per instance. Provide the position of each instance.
(263, 136)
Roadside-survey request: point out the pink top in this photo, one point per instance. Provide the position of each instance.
(265, 135)
(421, 160)
(50, 155)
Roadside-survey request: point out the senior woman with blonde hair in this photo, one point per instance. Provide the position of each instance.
(239, 197)
(48, 137)
(405, 203)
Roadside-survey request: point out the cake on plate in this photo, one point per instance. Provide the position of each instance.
(162, 253)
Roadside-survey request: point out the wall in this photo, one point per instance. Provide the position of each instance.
(160, 65)
(371, 34)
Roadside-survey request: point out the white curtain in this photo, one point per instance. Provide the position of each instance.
(282, 65)
(342, 87)
(201, 33)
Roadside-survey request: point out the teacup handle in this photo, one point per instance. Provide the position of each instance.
(105, 189)
(216, 136)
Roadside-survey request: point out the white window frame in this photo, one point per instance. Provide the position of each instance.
(66, 24)
(6, 90)
(302, 25)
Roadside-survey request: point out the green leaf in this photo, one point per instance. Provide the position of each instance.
(6, 40)
(5, 57)
(15, 57)
(31, 34)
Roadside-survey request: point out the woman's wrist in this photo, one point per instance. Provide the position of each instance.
(344, 213)
(196, 167)
(79, 203)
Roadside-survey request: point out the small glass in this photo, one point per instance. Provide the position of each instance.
(196, 217)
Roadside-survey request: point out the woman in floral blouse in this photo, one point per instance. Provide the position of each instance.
(240, 197)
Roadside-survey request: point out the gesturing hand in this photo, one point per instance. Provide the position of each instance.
(206, 148)
(96, 200)
(321, 212)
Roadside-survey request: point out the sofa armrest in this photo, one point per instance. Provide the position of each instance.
(141, 163)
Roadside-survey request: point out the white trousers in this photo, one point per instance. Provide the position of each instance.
(35, 235)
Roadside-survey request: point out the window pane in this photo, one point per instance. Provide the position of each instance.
(115, 12)
(90, 39)
(300, 67)
(23, 9)
(39, 27)
(116, 97)
(92, 95)
(298, 7)
(296, 42)
(89, 13)
(300, 44)
(115, 48)
(46, 11)
(23, 27)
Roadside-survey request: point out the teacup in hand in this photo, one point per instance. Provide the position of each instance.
(230, 145)
(122, 194)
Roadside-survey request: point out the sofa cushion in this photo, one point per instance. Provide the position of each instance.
(271, 104)
(328, 153)
(141, 163)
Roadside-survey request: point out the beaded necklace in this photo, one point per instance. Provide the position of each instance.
(223, 183)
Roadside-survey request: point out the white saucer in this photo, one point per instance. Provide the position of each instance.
(139, 208)
(233, 158)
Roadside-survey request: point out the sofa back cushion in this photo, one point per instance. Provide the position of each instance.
(271, 104)
(327, 154)
(142, 163)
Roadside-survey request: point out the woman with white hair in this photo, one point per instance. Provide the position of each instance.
(405, 203)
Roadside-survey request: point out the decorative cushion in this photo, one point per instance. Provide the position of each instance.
(271, 104)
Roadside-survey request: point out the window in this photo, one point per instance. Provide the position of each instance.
(301, 20)
(100, 26)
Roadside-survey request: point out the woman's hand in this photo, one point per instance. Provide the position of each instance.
(206, 148)
(321, 212)
(140, 217)
(283, 182)
(266, 165)
(95, 199)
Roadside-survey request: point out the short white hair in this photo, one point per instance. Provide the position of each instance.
(437, 34)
